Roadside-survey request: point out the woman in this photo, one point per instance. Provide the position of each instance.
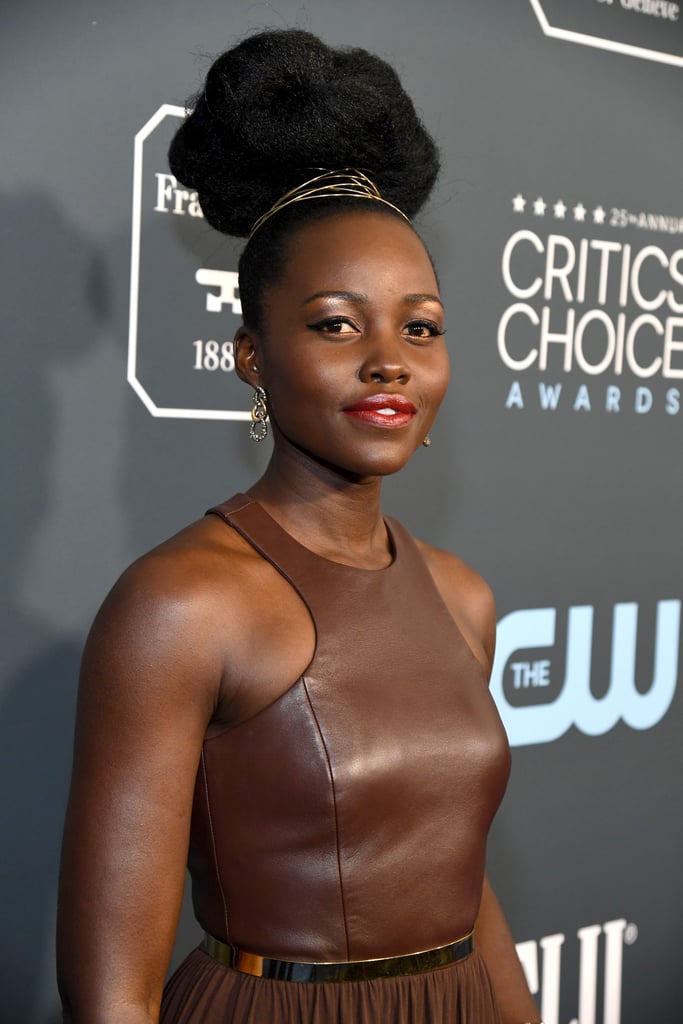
(326, 671)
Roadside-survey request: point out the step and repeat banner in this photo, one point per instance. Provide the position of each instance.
(556, 463)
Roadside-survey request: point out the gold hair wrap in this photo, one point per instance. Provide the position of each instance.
(349, 181)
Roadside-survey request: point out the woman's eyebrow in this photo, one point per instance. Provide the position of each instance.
(349, 296)
(422, 297)
(359, 297)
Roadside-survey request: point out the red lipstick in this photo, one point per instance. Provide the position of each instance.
(383, 410)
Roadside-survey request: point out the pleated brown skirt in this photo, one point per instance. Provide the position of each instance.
(202, 990)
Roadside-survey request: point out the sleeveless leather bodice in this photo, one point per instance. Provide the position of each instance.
(348, 819)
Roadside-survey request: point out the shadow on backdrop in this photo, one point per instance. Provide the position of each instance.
(51, 298)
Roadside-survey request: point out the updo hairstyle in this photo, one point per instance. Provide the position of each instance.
(276, 108)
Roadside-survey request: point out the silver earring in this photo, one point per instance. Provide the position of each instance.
(259, 415)
(427, 441)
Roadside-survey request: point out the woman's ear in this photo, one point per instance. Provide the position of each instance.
(246, 351)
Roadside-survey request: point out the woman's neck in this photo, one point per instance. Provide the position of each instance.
(335, 516)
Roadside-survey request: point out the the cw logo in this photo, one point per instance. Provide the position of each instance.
(576, 705)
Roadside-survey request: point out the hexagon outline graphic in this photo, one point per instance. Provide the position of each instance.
(601, 43)
(165, 110)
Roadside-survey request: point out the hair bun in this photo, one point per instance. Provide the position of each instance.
(282, 103)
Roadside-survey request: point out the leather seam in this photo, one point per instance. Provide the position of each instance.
(215, 852)
(336, 819)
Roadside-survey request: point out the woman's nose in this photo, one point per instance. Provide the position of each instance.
(385, 361)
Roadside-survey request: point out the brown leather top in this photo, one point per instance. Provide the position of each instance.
(348, 819)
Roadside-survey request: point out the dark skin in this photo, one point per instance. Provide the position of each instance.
(176, 654)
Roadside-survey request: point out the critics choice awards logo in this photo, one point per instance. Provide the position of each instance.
(594, 318)
(184, 298)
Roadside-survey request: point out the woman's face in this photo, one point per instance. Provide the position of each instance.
(351, 350)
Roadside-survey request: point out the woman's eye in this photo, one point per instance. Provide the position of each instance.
(334, 325)
(423, 329)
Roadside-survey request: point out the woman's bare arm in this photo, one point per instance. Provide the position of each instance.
(150, 680)
(497, 947)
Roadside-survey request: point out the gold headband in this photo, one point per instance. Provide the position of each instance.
(349, 181)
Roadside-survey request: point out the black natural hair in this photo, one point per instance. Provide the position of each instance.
(274, 109)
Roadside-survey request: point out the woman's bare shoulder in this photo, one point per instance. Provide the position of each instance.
(177, 605)
(204, 562)
(192, 614)
(468, 597)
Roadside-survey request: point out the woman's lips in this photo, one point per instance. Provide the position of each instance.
(383, 410)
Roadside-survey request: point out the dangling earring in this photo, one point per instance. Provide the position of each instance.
(427, 441)
(259, 415)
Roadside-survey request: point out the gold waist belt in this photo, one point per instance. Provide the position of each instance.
(353, 970)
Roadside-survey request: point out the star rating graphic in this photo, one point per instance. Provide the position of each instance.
(560, 210)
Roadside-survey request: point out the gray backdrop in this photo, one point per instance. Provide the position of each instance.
(555, 468)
